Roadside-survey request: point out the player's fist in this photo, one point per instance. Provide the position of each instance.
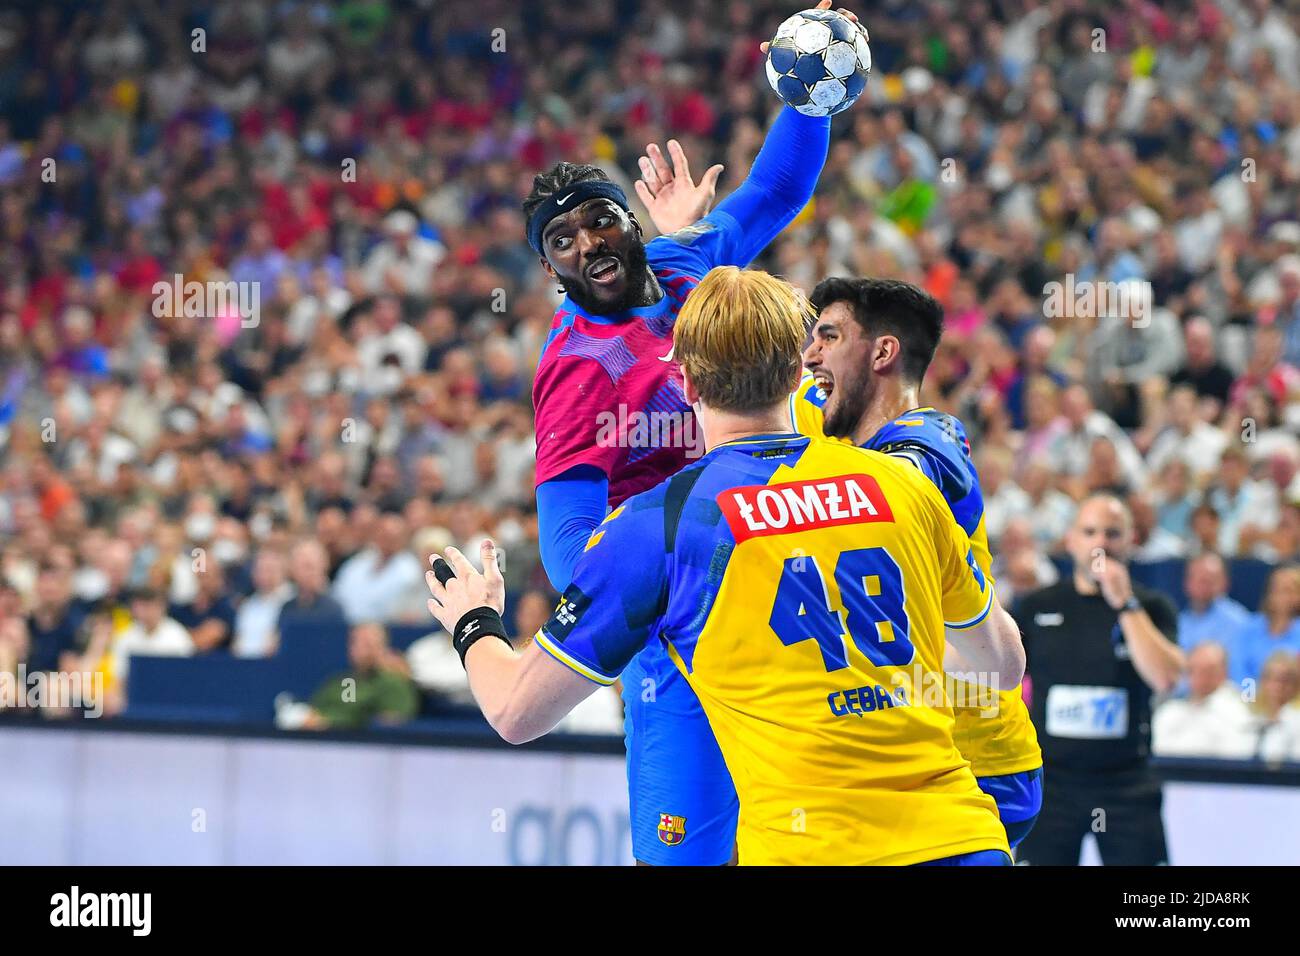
(466, 589)
(1113, 579)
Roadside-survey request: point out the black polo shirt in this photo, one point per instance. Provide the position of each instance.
(48, 644)
(1091, 709)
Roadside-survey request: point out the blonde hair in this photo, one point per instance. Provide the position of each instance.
(739, 338)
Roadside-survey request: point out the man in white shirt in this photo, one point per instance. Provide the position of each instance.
(373, 584)
(1243, 504)
(258, 614)
(1187, 436)
(1050, 510)
(1213, 721)
(390, 340)
(1150, 541)
(1072, 450)
(404, 262)
(151, 633)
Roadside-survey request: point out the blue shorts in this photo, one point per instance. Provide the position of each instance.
(977, 858)
(682, 804)
(1019, 797)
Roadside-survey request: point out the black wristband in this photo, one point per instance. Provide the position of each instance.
(473, 625)
(1132, 604)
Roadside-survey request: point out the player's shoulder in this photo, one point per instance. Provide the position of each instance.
(696, 244)
(576, 342)
(876, 462)
(695, 235)
(924, 427)
(561, 325)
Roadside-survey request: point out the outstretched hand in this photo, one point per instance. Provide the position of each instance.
(671, 196)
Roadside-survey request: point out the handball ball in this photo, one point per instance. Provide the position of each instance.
(818, 62)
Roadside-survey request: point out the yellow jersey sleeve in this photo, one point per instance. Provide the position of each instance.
(967, 594)
(806, 407)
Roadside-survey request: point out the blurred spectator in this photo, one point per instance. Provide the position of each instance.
(404, 262)
(1210, 614)
(151, 633)
(1150, 541)
(1128, 349)
(373, 584)
(1275, 628)
(1267, 370)
(376, 688)
(210, 616)
(1213, 721)
(1035, 363)
(389, 350)
(1044, 426)
(1202, 369)
(1175, 499)
(14, 649)
(1073, 450)
(1245, 506)
(54, 624)
(1003, 498)
(1205, 529)
(1050, 511)
(258, 614)
(1277, 719)
(1018, 566)
(1187, 438)
(311, 608)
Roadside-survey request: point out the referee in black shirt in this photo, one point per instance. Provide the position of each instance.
(1098, 647)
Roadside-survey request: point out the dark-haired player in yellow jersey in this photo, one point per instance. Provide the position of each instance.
(871, 345)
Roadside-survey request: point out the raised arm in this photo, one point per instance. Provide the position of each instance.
(779, 185)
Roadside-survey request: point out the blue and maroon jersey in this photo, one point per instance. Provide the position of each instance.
(608, 392)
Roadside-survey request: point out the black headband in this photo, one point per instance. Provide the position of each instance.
(570, 198)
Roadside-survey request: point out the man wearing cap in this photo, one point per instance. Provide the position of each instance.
(403, 263)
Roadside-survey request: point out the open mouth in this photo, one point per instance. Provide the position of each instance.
(824, 382)
(604, 270)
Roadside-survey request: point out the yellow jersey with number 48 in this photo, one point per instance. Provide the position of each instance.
(802, 586)
(994, 731)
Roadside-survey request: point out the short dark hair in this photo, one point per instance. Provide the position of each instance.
(890, 307)
(560, 176)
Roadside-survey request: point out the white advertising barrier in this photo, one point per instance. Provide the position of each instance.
(1223, 824)
(110, 797)
(76, 797)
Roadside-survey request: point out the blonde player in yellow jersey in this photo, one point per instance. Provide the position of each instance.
(801, 585)
(870, 348)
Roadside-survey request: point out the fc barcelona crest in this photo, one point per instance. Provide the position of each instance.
(672, 830)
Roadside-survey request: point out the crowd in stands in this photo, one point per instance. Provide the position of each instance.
(186, 484)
